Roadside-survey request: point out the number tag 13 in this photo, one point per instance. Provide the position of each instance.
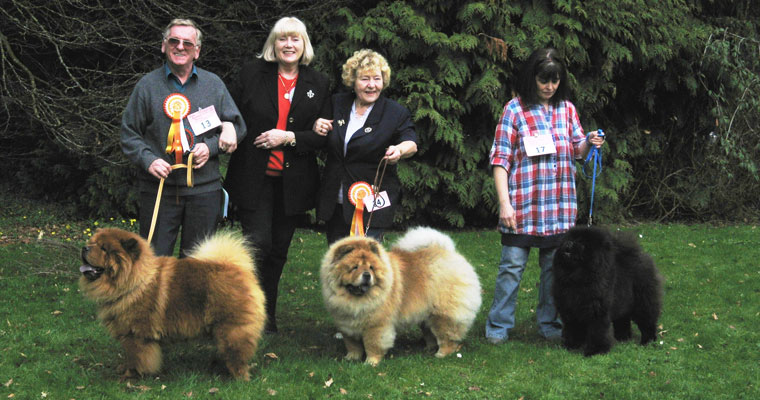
(204, 120)
(539, 145)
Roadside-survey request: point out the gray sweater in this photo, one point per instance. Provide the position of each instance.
(145, 126)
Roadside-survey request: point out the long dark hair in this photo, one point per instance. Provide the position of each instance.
(544, 64)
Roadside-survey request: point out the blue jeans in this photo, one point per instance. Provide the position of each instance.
(501, 317)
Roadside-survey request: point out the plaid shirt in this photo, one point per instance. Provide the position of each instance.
(541, 188)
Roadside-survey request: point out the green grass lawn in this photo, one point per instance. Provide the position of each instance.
(708, 347)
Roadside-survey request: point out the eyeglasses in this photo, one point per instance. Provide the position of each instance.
(174, 42)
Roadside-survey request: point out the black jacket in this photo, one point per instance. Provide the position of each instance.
(255, 93)
(389, 123)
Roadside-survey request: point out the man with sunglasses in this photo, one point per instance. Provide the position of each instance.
(177, 111)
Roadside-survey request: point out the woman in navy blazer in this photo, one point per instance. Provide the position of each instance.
(272, 177)
(366, 127)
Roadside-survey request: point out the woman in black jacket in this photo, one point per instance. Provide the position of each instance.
(366, 128)
(272, 177)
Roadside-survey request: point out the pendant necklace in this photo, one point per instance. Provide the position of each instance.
(287, 89)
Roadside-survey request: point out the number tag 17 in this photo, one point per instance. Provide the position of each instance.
(539, 145)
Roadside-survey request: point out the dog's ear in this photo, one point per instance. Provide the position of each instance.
(342, 251)
(375, 247)
(132, 247)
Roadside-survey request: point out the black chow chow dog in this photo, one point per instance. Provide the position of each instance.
(601, 278)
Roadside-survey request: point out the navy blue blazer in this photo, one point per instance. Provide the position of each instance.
(255, 93)
(388, 123)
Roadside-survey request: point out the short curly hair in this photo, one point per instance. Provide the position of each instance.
(365, 60)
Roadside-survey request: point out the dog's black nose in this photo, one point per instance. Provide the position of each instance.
(366, 277)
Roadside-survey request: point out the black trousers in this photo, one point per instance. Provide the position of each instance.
(197, 214)
(270, 231)
(337, 228)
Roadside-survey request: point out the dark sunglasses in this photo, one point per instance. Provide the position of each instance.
(174, 42)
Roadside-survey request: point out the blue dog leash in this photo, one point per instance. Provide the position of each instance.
(596, 154)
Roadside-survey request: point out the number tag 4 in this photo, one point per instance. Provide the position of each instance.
(539, 145)
(374, 203)
(204, 120)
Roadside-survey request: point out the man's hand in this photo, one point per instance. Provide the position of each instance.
(160, 168)
(200, 155)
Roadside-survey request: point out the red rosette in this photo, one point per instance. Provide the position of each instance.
(358, 191)
(176, 103)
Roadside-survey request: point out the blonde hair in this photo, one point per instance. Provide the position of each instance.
(365, 60)
(287, 26)
(184, 22)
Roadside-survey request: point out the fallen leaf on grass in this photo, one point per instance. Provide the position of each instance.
(56, 312)
(213, 390)
(329, 382)
(715, 316)
(343, 391)
(141, 388)
(8, 384)
(271, 355)
(473, 389)
(271, 392)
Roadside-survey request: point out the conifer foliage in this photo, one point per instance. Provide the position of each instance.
(454, 64)
(674, 84)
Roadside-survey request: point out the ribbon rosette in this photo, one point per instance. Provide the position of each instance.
(176, 107)
(356, 194)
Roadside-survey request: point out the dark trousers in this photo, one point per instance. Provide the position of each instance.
(197, 214)
(270, 231)
(337, 228)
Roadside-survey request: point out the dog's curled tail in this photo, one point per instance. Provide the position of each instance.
(421, 237)
(225, 246)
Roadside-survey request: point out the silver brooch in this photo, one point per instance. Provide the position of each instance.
(367, 130)
(310, 93)
(341, 122)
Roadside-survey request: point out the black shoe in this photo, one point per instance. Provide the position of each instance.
(270, 328)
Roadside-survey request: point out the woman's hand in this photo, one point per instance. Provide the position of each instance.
(595, 140)
(228, 138)
(273, 138)
(507, 216)
(322, 126)
(393, 154)
(397, 152)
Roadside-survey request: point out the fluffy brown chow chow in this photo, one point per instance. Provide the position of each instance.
(603, 278)
(422, 280)
(143, 299)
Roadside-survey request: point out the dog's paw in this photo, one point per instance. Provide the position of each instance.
(129, 375)
(373, 361)
(353, 356)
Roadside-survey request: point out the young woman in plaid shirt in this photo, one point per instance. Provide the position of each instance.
(532, 158)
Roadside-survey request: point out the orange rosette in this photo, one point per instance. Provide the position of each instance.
(176, 107)
(356, 194)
